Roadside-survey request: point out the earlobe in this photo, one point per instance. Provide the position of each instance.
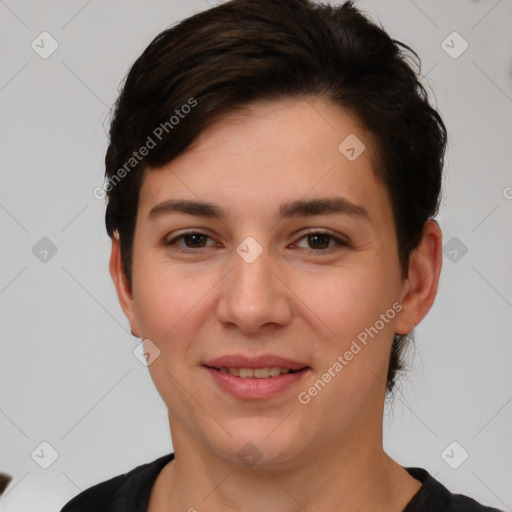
(420, 288)
(123, 289)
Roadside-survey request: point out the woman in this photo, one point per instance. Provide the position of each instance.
(272, 178)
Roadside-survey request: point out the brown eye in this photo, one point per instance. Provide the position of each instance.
(195, 240)
(191, 240)
(322, 242)
(318, 241)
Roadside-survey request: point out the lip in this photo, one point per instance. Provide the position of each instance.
(263, 361)
(255, 389)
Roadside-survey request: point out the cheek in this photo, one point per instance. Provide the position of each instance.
(347, 301)
(169, 309)
(352, 359)
(161, 305)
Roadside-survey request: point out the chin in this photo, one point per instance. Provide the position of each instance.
(263, 443)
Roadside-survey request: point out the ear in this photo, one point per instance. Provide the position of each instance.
(124, 293)
(420, 287)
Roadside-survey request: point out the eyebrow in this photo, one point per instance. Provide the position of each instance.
(296, 208)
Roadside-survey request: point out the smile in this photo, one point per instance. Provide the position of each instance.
(256, 373)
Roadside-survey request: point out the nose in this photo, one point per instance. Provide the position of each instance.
(254, 294)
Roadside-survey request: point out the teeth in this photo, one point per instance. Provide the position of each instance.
(245, 373)
(256, 373)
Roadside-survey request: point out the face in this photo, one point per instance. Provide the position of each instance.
(282, 262)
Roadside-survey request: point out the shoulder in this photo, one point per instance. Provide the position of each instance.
(435, 497)
(129, 489)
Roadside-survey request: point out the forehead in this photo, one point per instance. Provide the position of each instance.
(268, 153)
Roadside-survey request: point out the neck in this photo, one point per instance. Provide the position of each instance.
(327, 478)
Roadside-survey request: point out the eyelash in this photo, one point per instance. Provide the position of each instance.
(339, 242)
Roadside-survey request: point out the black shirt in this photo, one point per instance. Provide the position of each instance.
(130, 492)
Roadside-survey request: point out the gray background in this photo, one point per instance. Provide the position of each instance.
(68, 373)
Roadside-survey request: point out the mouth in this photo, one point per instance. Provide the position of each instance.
(255, 367)
(260, 377)
(257, 373)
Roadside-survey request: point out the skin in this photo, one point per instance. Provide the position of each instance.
(294, 301)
